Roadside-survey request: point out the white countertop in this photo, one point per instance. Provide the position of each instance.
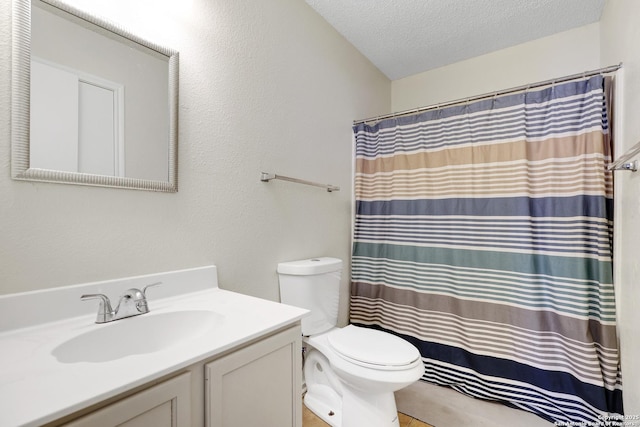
(36, 388)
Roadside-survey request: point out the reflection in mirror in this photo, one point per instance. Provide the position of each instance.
(93, 104)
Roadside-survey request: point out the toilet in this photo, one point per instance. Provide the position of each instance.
(351, 372)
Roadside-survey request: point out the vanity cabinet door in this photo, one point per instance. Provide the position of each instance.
(167, 404)
(259, 385)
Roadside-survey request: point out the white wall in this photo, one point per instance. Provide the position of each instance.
(620, 32)
(264, 86)
(609, 42)
(564, 53)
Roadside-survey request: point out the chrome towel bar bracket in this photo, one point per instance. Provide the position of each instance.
(623, 162)
(628, 166)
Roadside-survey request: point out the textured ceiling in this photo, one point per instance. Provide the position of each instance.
(405, 37)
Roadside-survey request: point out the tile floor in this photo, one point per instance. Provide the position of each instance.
(309, 419)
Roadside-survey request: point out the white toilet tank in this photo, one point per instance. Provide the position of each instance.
(313, 284)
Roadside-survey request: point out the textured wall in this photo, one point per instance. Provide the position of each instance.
(620, 35)
(264, 86)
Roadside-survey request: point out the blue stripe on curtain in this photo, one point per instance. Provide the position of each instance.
(483, 236)
(529, 378)
(589, 206)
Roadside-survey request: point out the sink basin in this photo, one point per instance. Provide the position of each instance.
(142, 334)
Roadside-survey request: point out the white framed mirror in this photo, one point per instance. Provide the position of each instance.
(91, 102)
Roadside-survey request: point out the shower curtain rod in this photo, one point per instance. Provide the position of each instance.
(609, 69)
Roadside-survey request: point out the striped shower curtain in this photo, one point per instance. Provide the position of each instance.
(483, 235)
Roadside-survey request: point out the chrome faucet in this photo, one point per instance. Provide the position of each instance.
(133, 302)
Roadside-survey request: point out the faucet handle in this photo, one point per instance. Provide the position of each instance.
(142, 305)
(105, 312)
(144, 290)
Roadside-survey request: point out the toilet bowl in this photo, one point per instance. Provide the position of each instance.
(351, 372)
(344, 377)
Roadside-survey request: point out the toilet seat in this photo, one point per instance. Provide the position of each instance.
(372, 348)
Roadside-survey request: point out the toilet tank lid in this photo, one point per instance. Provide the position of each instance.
(307, 267)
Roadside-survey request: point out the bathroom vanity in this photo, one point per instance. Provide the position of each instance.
(202, 356)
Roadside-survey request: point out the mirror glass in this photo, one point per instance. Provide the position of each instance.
(93, 104)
